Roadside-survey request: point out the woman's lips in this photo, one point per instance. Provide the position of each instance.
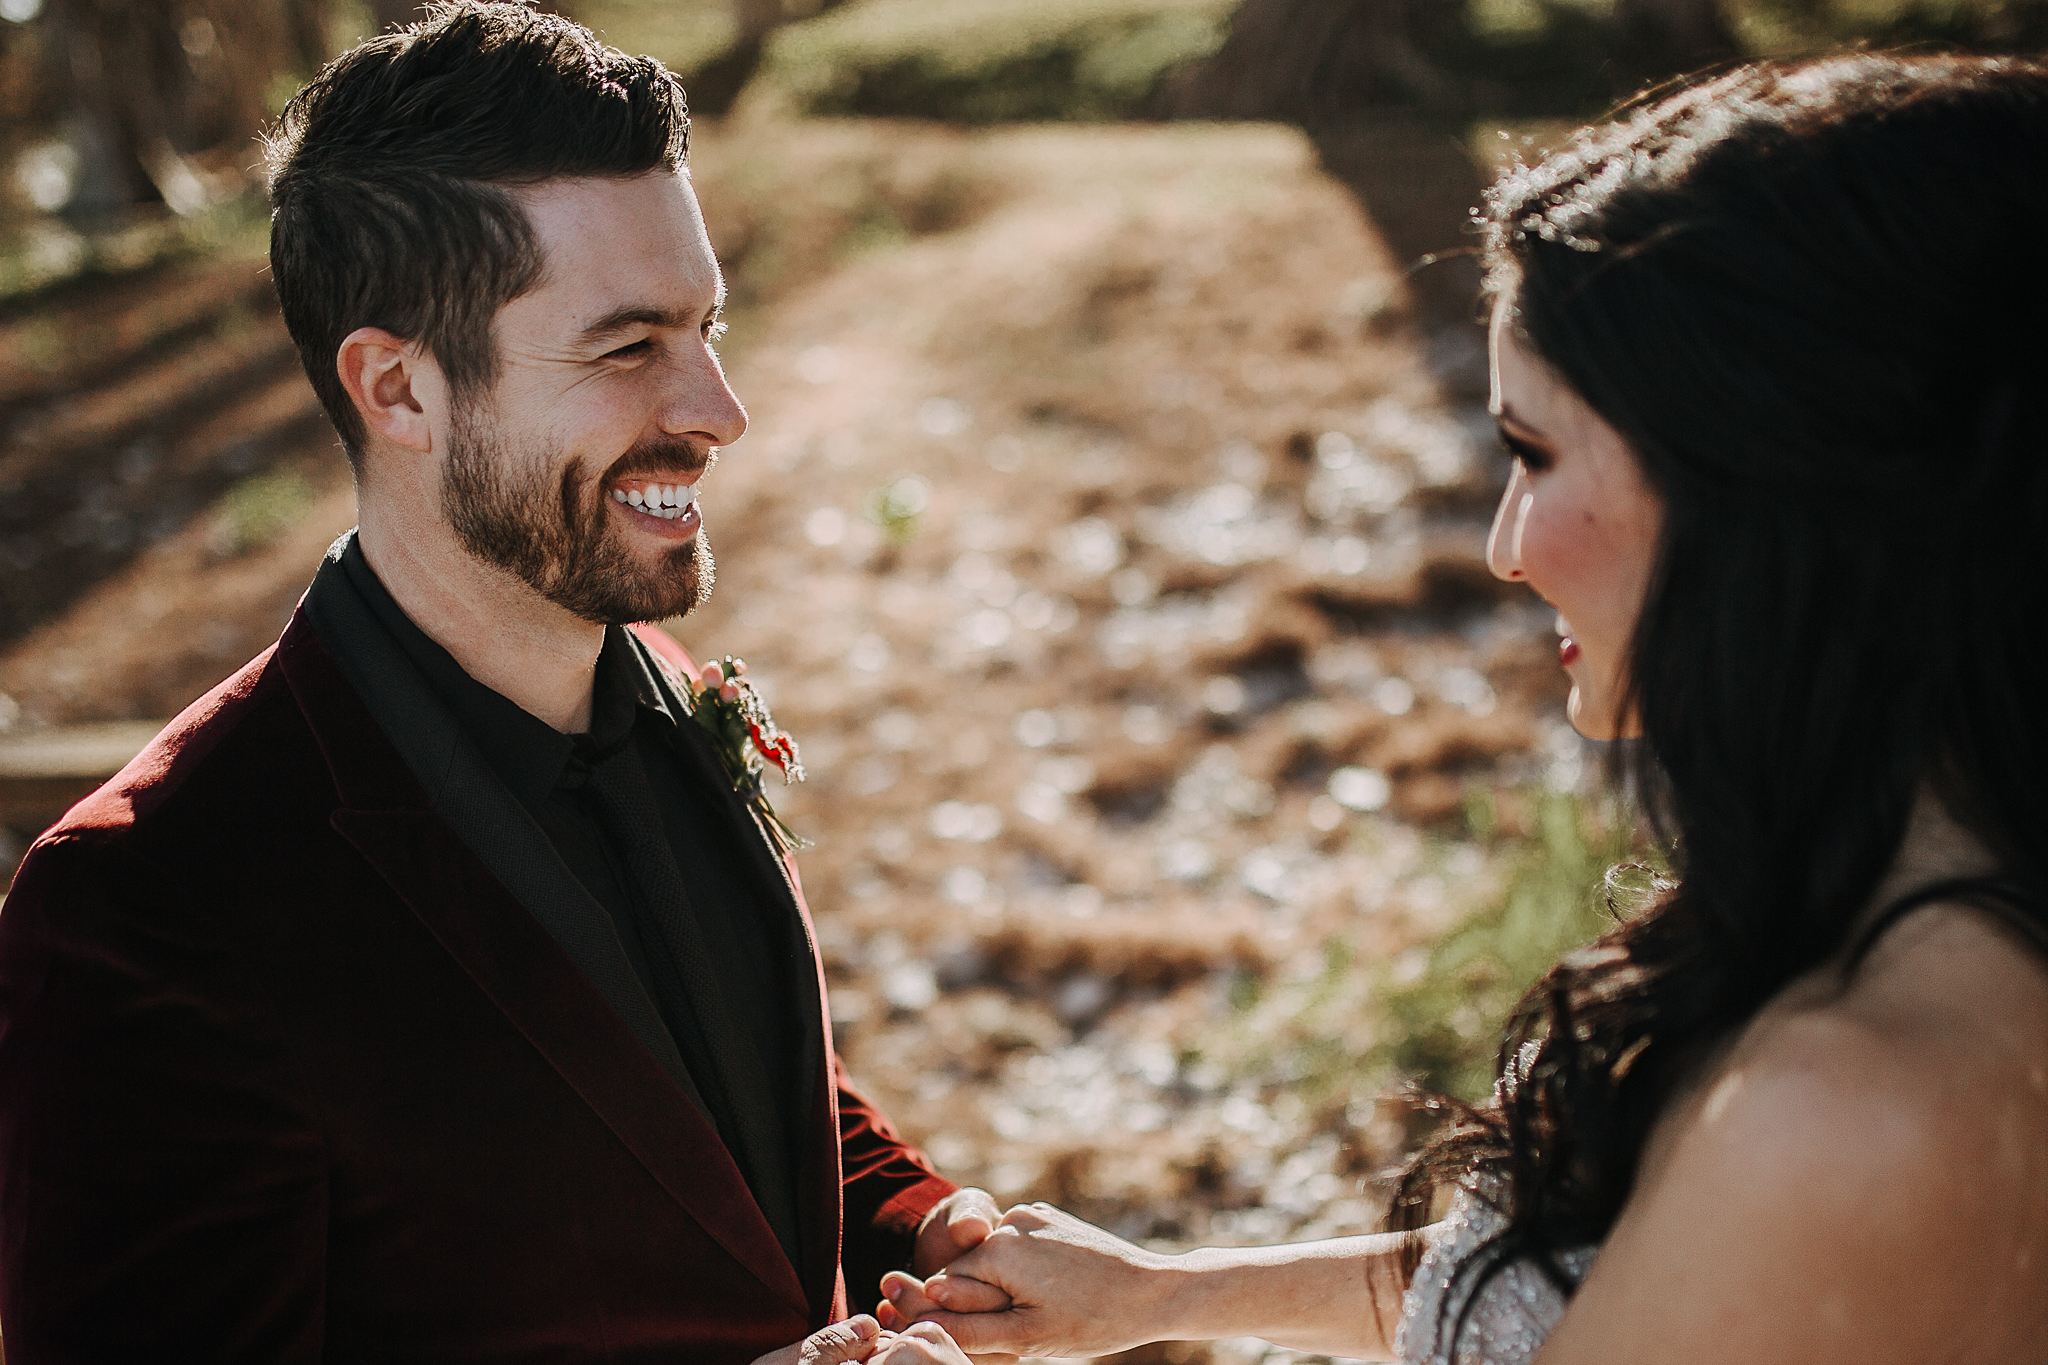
(1567, 648)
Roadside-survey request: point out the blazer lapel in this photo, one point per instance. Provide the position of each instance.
(819, 1207)
(386, 815)
(821, 1176)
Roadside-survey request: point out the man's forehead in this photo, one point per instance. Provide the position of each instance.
(616, 245)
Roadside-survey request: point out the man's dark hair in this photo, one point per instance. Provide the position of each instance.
(388, 179)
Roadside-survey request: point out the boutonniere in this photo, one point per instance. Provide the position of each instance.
(747, 741)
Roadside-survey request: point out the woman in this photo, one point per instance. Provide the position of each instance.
(1769, 355)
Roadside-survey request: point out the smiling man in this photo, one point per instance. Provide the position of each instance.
(425, 991)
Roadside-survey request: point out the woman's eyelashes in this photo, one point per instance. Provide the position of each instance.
(1532, 456)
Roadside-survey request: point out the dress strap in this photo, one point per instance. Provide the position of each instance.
(2009, 903)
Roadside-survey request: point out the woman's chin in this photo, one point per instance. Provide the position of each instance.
(1591, 722)
(1597, 721)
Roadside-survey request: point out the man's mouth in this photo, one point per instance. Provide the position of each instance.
(668, 501)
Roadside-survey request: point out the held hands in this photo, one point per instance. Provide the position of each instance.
(1043, 1283)
(957, 1223)
(862, 1339)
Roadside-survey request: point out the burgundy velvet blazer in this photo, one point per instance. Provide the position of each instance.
(287, 1076)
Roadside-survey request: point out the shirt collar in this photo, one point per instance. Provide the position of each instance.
(530, 756)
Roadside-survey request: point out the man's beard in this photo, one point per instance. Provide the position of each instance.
(559, 541)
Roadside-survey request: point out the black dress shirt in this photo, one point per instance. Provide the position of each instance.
(756, 947)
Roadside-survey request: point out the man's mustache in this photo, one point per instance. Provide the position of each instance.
(680, 459)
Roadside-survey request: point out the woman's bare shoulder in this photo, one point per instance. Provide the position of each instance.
(1862, 1176)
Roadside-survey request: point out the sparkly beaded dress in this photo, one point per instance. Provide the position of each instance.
(1514, 1312)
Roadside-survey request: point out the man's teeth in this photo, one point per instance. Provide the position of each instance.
(665, 500)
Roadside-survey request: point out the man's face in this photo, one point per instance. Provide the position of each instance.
(577, 472)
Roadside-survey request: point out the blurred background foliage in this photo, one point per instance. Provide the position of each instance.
(118, 111)
(1432, 1015)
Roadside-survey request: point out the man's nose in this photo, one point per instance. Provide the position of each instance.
(700, 402)
(1504, 541)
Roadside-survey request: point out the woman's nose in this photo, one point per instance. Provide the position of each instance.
(1504, 541)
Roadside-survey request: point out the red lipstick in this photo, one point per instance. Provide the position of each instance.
(1567, 651)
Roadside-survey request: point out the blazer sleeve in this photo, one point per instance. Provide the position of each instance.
(888, 1188)
(162, 1190)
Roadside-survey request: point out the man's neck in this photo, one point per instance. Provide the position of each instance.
(503, 633)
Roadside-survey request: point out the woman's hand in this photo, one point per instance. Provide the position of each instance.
(1044, 1283)
(924, 1344)
(843, 1342)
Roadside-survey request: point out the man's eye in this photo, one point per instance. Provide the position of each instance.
(631, 349)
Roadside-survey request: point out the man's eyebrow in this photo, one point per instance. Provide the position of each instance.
(634, 315)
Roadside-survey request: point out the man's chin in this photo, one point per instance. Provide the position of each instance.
(678, 584)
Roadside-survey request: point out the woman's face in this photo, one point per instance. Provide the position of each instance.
(1579, 524)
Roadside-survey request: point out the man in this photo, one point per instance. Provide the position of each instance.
(425, 991)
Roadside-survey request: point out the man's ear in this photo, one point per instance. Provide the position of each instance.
(394, 384)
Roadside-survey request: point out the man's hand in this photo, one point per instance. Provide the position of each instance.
(958, 1223)
(1044, 1283)
(841, 1343)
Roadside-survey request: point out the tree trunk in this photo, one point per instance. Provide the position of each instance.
(1316, 62)
(150, 89)
(389, 14)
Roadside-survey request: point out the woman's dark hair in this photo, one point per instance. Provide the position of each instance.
(1811, 297)
(388, 175)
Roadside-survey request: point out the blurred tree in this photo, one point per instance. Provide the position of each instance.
(390, 14)
(717, 83)
(1671, 37)
(1317, 62)
(1325, 62)
(159, 100)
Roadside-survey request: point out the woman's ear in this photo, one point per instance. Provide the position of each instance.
(394, 385)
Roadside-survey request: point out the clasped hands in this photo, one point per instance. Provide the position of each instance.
(1034, 1281)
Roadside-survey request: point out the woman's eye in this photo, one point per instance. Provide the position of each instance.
(1532, 457)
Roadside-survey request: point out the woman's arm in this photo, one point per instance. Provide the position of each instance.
(1074, 1290)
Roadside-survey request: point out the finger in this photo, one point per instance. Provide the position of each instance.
(972, 1217)
(852, 1340)
(963, 1294)
(924, 1344)
(980, 1334)
(906, 1298)
(891, 1320)
(1025, 1216)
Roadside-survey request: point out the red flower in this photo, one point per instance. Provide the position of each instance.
(777, 748)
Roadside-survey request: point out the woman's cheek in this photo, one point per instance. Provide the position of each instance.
(1558, 558)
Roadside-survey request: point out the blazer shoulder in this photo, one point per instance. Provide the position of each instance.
(227, 767)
